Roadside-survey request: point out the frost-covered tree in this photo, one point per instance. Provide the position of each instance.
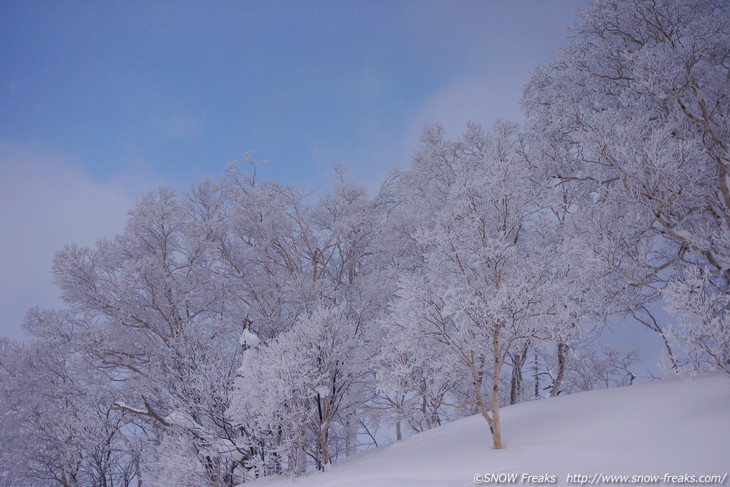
(352, 224)
(639, 99)
(591, 368)
(297, 389)
(270, 404)
(485, 285)
(267, 254)
(412, 383)
(176, 462)
(283, 256)
(59, 425)
(157, 319)
(703, 330)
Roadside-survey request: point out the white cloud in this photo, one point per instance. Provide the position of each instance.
(48, 202)
(483, 98)
(501, 44)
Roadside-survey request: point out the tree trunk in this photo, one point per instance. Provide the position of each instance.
(350, 437)
(516, 384)
(479, 399)
(301, 459)
(562, 351)
(324, 450)
(518, 361)
(323, 406)
(496, 369)
(482, 407)
(536, 371)
(137, 470)
(423, 411)
(497, 427)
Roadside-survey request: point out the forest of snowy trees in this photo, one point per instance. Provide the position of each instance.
(244, 328)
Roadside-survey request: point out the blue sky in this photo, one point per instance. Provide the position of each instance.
(100, 101)
(178, 89)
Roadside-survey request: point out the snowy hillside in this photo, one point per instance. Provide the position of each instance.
(673, 426)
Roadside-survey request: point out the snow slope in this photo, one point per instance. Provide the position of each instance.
(672, 426)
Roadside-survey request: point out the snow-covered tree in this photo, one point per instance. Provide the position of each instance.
(157, 319)
(413, 384)
(59, 425)
(485, 286)
(300, 386)
(703, 330)
(639, 99)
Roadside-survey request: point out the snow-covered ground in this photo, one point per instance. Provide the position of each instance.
(673, 426)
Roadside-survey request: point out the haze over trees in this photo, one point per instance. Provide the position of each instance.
(243, 328)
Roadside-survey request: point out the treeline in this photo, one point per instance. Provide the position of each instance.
(244, 328)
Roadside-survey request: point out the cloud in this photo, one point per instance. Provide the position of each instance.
(481, 98)
(48, 202)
